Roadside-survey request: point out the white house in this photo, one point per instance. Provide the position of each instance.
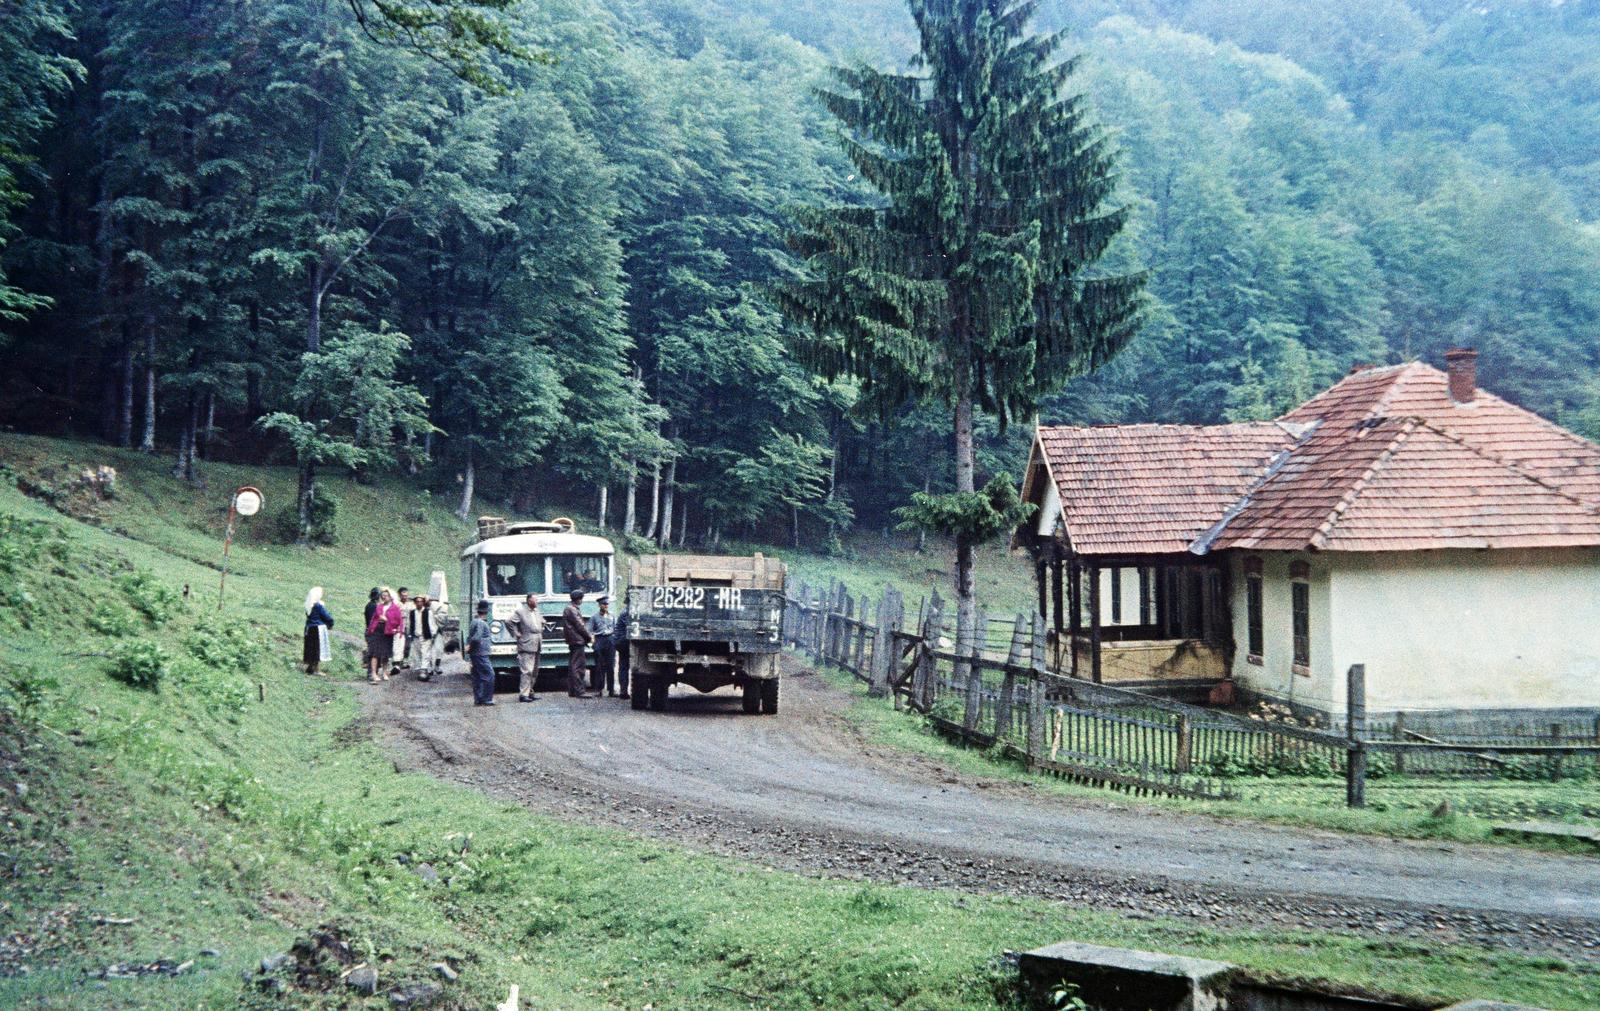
(1403, 519)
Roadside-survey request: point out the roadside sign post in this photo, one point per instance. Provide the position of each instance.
(246, 501)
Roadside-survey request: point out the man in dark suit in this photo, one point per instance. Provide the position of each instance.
(576, 632)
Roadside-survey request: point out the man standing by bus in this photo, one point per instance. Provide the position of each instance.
(576, 632)
(604, 628)
(527, 627)
(478, 637)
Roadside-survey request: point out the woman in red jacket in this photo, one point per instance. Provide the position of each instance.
(385, 623)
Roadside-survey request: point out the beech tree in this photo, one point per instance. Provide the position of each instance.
(971, 279)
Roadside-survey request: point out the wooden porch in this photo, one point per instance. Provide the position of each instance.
(1133, 618)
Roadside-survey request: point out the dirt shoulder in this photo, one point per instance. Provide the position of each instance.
(803, 791)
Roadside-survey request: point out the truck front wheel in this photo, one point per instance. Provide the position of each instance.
(769, 696)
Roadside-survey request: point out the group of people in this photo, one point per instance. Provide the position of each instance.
(403, 632)
(603, 632)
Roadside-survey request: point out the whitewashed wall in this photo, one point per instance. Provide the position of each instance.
(1436, 630)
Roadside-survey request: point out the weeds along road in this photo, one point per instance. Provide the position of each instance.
(802, 791)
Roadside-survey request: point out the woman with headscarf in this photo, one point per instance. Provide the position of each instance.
(318, 650)
(382, 627)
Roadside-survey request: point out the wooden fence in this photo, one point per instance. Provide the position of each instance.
(1003, 695)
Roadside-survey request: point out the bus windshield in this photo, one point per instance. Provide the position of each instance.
(580, 572)
(514, 575)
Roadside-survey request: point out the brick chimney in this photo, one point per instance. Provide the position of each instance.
(1462, 366)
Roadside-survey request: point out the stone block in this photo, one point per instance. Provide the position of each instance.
(1124, 979)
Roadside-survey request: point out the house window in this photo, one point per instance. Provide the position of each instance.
(1146, 591)
(1116, 596)
(1302, 626)
(1252, 597)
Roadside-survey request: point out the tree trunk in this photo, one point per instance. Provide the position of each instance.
(683, 524)
(794, 520)
(204, 447)
(666, 502)
(188, 441)
(308, 481)
(922, 534)
(253, 405)
(630, 509)
(966, 607)
(314, 312)
(605, 494)
(125, 421)
(467, 482)
(147, 444)
(655, 501)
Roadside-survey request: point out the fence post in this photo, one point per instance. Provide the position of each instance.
(861, 642)
(1400, 735)
(930, 643)
(1185, 759)
(882, 649)
(1038, 713)
(974, 711)
(1355, 792)
(1008, 683)
(1555, 764)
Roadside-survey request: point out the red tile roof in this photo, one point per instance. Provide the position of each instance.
(1382, 461)
(1155, 488)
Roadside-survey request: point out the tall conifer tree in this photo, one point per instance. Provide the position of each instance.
(971, 281)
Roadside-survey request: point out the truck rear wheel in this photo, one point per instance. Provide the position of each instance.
(752, 697)
(658, 694)
(639, 698)
(769, 696)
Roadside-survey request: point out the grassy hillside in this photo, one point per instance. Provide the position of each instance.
(239, 806)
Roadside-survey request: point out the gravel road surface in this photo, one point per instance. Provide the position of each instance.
(802, 790)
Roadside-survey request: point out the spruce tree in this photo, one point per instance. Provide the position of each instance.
(971, 279)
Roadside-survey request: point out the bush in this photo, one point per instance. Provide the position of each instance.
(113, 619)
(150, 598)
(284, 526)
(139, 665)
(221, 646)
(26, 693)
(24, 545)
(215, 691)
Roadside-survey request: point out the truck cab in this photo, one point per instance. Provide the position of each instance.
(549, 559)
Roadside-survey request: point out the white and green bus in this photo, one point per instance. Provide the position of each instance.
(508, 561)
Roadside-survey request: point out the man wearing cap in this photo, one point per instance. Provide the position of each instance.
(478, 655)
(603, 626)
(576, 632)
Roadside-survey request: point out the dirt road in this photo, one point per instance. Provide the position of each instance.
(803, 791)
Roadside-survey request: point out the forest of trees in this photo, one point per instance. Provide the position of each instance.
(275, 230)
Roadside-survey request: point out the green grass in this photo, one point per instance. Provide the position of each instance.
(242, 804)
(1397, 807)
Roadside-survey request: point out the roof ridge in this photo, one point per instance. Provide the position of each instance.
(1202, 545)
(1319, 537)
(1566, 433)
(1384, 399)
(1510, 465)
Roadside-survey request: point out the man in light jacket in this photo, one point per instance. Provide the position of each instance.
(526, 625)
(576, 632)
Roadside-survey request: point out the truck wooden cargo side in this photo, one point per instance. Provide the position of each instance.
(707, 621)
